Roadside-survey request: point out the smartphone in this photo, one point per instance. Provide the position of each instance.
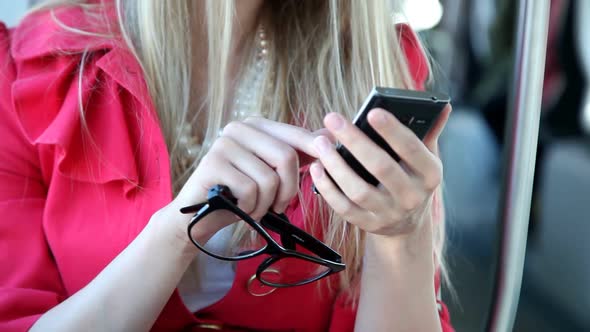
(417, 110)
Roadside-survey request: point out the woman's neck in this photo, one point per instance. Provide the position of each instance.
(244, 25)
(245, 21)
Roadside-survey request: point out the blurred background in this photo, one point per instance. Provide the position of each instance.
(471, 45)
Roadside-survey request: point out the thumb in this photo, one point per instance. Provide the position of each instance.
(431, 139)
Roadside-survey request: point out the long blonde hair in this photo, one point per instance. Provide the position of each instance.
(324, 56)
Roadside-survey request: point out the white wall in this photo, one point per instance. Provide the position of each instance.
(12, 10)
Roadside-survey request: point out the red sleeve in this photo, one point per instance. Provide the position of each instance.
(344, 315)
(29, 282)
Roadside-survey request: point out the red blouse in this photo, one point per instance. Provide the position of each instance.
(69, 205)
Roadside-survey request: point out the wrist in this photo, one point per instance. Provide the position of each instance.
(398, 276)
(170, 226)
(412, 248)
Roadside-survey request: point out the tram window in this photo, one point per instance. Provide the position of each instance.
(473, 48)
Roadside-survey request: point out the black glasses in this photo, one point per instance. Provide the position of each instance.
(298, 260)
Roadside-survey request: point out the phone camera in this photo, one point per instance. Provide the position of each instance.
(434, 98)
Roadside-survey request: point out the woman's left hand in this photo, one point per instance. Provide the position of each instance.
(402, 200)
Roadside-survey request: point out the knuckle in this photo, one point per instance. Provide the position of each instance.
(412, 146)
(410, 201)
(258, 213)
(346, 209)
(288, 157)
(377, 229)
(340, 208)
(214, 159)
(232, 128)
(250, 188)
(284, 197)
(433, 180)
(252, 119)
(249, 192)
(434, 177)
(396, 215)
(270, 181)
(383, 167)
(221, 144)
(208, 159)
(361, 197)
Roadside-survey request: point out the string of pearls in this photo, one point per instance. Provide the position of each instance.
(249, 88)
(246, 98)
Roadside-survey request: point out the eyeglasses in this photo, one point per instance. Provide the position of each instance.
(299, 259)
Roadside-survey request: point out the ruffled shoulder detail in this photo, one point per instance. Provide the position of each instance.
(82, 96)
(415, 56)
(67, 29)
(6, 66)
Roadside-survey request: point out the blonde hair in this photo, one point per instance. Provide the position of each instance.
(322, 59)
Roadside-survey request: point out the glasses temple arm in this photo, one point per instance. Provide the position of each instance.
(293, 234)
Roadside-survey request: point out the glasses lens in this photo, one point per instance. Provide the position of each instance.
(234, 241)
(291, 271)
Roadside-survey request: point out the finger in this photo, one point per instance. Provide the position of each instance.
(281, 157)
(354, 187)
(219, 170)
(407, 145)
(376, 160)
(326, 133)
(299, 138)
(304, 158)
(334, 197)
(431, 139)
(266, 179)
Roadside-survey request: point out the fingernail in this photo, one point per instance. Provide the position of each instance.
(322, 144)
(316, 170)
(335, 121)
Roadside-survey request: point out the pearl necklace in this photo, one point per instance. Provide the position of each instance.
(246, 98)
(249, 88)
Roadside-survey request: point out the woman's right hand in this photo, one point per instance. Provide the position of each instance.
(259, 160)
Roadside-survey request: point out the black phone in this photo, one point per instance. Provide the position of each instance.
(418, 110)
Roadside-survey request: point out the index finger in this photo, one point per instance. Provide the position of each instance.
(299, 138)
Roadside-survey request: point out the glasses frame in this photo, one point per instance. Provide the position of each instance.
(220, 197)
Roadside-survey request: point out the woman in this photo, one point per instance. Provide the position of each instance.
(115, 115)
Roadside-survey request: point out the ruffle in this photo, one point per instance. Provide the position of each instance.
(47, 96)
(415, 56)
(42, 33)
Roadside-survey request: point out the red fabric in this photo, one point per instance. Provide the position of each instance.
(69, 204)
